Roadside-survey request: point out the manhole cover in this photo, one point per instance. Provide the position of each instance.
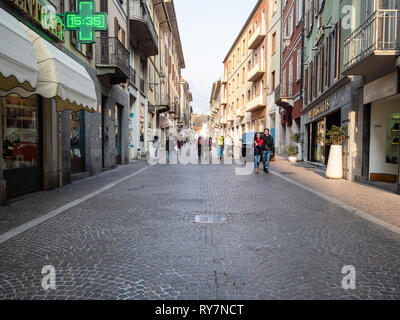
(210, 219)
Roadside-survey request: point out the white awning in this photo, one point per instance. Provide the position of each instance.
(60, 77)
(18, 67)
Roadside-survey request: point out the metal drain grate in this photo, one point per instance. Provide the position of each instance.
(286, 173)
(210, 219)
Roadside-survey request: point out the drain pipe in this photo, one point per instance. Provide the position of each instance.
(59, 152)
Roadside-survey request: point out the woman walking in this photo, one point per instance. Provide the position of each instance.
(258, 143)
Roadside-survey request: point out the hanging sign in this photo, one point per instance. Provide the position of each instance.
(86, 21)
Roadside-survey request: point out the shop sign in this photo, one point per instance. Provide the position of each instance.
(319, 109)
(43, 13)
(86, 21)
(381, 88)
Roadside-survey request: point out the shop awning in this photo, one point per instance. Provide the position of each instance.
(18, 67)
(60, 77)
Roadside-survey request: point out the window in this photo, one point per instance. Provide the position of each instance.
(322, 69)
(299, 11)
(290, 81)
(284, 82)
(273, 80)
(328, 62)
(274, 43)
(243, 74)
(306, 86)
(298, 69)
(20, 118)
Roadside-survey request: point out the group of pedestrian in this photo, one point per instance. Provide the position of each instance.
(263, 150)
(202, 141)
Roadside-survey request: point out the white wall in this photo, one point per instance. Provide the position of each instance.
(379, 114)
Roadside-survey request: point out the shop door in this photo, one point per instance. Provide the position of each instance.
(21, 134)
(319, 131)
(118, 136)
(77, 141)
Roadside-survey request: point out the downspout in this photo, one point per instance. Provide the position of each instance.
(59, 152)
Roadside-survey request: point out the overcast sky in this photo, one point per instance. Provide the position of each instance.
(208, 29)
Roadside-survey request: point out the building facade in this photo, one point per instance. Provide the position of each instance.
(252, 71)
(371, 55)
(57, 128)
(289, 94)
(327, 92)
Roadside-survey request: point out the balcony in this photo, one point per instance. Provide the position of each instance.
(231, 118)
(257, 103)
(163, 103)
(257, 37)
(255, 73)
(143, 34)
(112, 60)
(239, 112)
(372, 48)
(284, 96)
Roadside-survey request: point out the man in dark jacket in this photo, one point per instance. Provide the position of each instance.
(268, 148)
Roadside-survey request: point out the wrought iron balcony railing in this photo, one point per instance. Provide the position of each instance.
(380, 32)
(111, 53)
(144, 31)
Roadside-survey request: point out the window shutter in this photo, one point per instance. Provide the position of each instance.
(73, 39)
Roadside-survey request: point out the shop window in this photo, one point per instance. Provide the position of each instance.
(77, 141)
(20, 132)
(393, 137)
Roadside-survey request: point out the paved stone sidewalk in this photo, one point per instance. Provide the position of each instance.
(139, 240)
(33, 206)
(381, 204)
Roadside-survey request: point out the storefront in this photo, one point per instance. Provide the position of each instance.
(382, 131)
(21, 137)
(37, 83)
(329, 111)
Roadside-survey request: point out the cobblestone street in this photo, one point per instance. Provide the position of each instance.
(138, 240)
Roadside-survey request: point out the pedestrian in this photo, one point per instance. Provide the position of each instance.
(199, 142)
(229, 145)
(167, 148)
(156, 146)
(258, 151)
(220, 147)
(173, 147)
(268, 149)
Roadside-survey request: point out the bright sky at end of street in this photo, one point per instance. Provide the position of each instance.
(208, 29)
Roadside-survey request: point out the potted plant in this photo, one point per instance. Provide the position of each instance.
(292, 152)
(334, 138)
(298, 139)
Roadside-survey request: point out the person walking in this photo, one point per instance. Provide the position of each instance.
(220, 147)
(258, 151)
(156, 146)
(167, 148)
(268, 149)
(199, 146)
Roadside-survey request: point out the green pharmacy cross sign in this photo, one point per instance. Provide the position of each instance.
(86, 21)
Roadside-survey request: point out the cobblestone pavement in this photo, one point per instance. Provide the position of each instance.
(138, 240)
(379, 203)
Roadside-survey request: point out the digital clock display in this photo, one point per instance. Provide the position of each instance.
(86, 21)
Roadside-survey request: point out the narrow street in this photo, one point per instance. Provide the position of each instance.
(139, 240)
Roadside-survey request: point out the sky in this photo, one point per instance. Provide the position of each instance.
(208, 29)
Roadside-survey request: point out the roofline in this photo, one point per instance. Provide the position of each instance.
(176, 34)
(244, 28)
